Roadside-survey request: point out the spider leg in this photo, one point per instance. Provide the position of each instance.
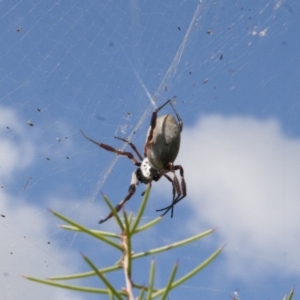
(176, 190)
(131, 191)
(183, 184)
(175, 187)
(131, 145)
(152, 126)
(179, 189)
(173, 191)
(111, 149)
(178, 117)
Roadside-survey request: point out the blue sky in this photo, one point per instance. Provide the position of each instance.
(233, 69)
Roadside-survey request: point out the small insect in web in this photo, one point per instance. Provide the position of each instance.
(160, 151)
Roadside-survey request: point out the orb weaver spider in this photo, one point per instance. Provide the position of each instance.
(160, 151)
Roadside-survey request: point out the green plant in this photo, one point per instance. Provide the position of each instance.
(290, 296)
(123, 242)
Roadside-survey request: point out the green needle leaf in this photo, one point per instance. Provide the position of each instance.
(102, 277)
(148, 225)
(86, 274)
(113, 210)
(141, 295)
(97, 232)
(191, 273)
(127, 239)
(151, 279)
(86, 230)
(290, 296)
(67, 286)
(141, 209)
(174, 245)
(169, 284)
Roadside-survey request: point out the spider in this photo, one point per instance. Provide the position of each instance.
(160, 151)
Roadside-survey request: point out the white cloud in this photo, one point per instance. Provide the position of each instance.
(243, 177)
(13, 155)
(26, 250)
(27, 247)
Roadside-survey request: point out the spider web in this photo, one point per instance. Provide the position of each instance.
(103, 67)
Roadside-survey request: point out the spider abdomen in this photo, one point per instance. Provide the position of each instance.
(165, 144)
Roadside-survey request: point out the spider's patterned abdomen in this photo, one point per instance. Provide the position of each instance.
(165, 144)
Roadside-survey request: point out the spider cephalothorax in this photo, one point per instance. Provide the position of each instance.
(160, 151)
(146, 173)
